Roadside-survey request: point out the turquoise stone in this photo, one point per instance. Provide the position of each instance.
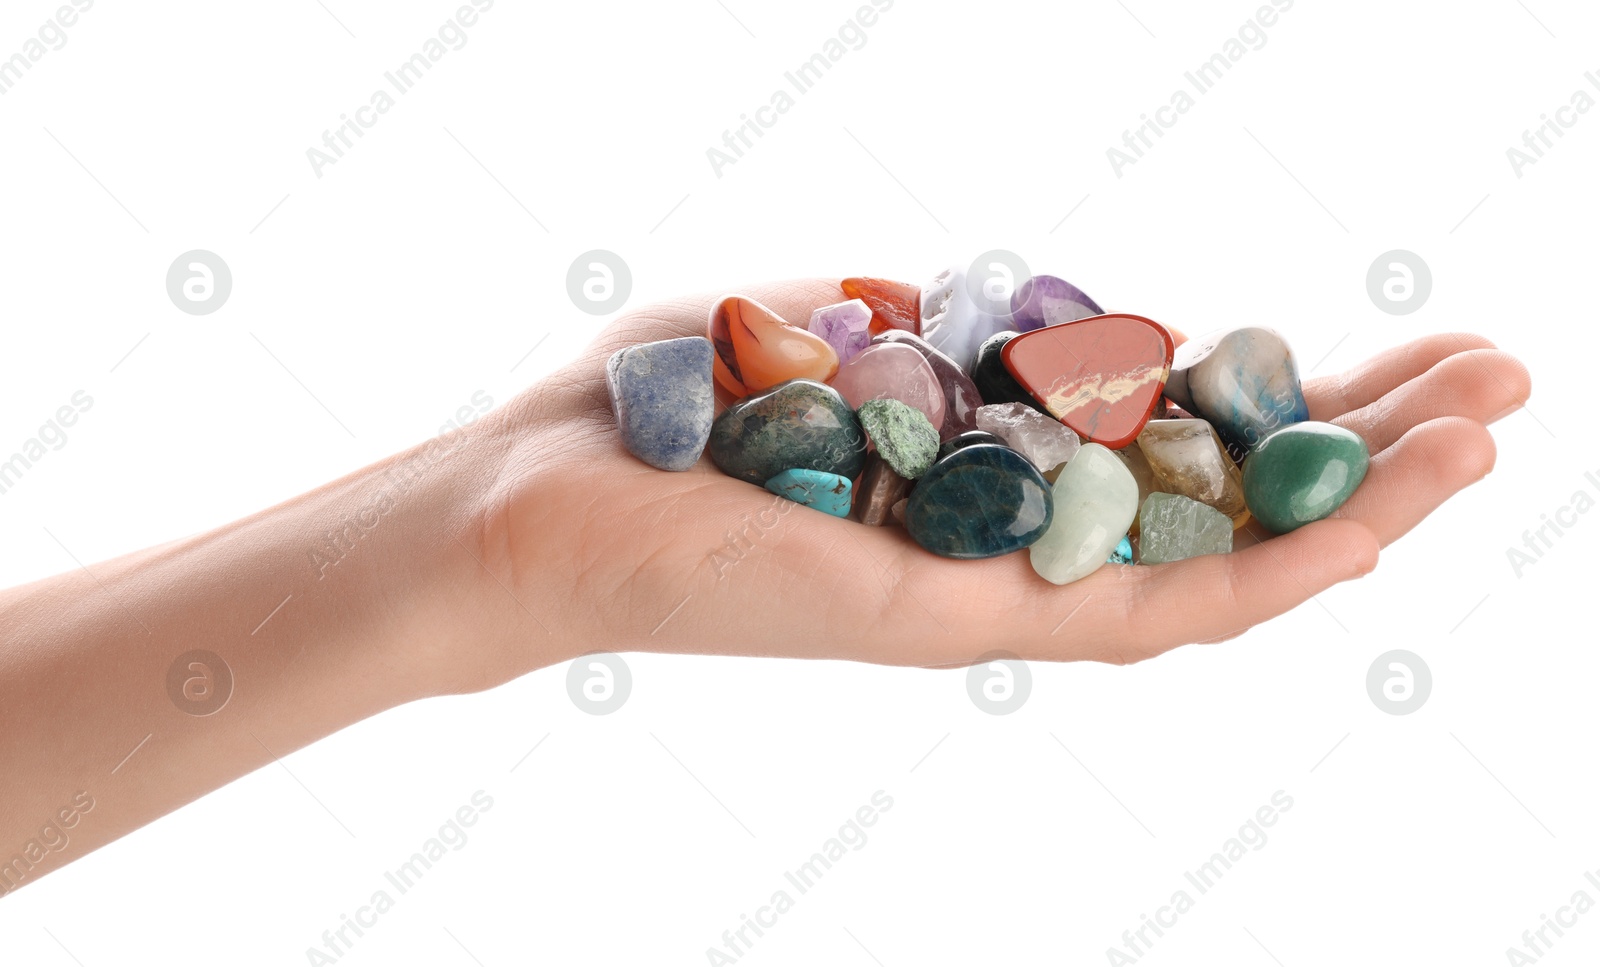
(981, 501)
(1303, 473)
(1173, 527)
(662, 397)
(800, 424)
(827, 492)
(1095, 498)
(1243, 381)
(1123, 553)
(904, 437)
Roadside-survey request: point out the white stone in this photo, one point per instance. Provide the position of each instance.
(1043, 439)
(953, 323)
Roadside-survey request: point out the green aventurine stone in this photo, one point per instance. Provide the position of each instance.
(902, 434)
(1302, 473)
(1174, 527)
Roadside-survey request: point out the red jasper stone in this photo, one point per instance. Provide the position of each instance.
(1101, 376)
(894, 305)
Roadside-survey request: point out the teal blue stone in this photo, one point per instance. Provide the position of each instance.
(1123, 553)
(800, 424)
(827, 492)
(1303, 473)
(980, 501)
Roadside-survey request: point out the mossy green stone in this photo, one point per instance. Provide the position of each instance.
(904, 437)
(800, 424)
(1301, 473)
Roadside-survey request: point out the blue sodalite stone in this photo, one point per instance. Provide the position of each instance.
(980, 501)
(1123, 554)
(1243, 381)
(661, 393)
(827, 492)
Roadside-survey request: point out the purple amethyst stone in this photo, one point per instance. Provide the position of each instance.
(1045, 300)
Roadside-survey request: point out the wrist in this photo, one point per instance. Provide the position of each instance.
(476, 616)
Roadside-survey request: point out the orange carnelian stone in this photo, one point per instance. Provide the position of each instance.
(757, 350)
(894, 305)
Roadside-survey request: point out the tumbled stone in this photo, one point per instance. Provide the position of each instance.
(1243, 381)
(757, 350)
(894, 305)
(1187, 457)
(961, 398)
(1043, 440)
(1134, 460)
(885, 372)
(994, 382)
(878, 490)
(844, 327)
(1303, 473)
(1173, 528)
(662, 397)
(1124, 552)
(1095, 501)
(1101, 375)
(903, 435)
(981, 501)
(968, 439)
(827, 492)
(797, 425)
(953, 322)
(1045, 300)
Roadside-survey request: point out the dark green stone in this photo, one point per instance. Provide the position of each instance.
(798, 425)
(1301, 473)
(981, 501)
(995, 383)
(971, 438)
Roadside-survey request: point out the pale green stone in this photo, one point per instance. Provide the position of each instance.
(1173, 527)
(1095, 499)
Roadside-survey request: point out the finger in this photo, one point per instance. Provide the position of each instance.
(1329, 396)
(1410, 479)
(1480, 385)
(1117, 614)
(1258, 581)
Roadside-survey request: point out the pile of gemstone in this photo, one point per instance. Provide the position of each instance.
(986, 426)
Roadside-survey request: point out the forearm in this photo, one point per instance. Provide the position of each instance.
(323, 610)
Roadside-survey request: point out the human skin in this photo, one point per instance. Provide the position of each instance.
(534, 537)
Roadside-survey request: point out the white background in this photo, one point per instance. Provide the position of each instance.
(424, 266)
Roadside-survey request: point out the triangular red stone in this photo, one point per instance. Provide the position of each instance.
(1101, 376)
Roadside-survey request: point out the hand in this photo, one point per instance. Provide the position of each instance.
(609, 554)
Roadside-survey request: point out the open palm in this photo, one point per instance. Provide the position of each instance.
(610, 554)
